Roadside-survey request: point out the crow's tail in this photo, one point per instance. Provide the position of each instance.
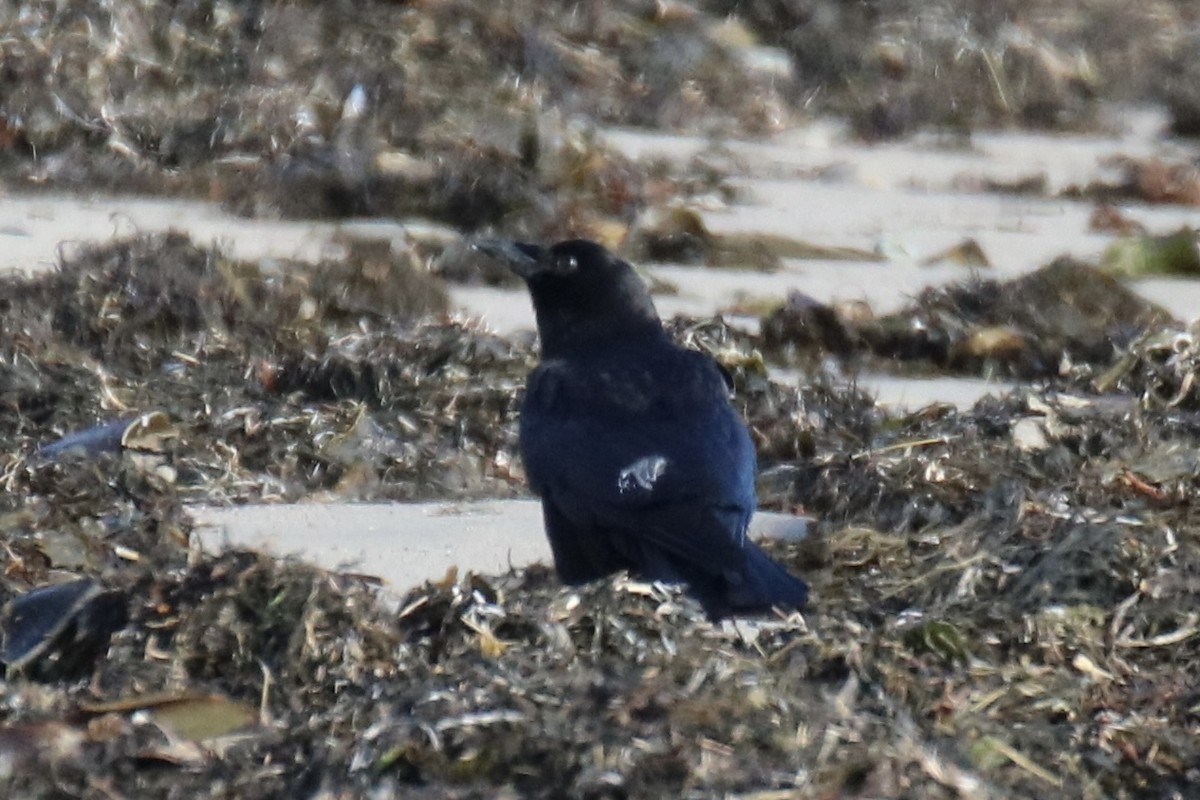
(762, 585)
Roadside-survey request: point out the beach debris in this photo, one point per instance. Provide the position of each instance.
(1107, 218)
(1035, 325)
(967, 253)
(806, 326)
(186, 715)
(678, 234)
(1148, 180)
(146, 433)
(58, 631)
(1139, 256)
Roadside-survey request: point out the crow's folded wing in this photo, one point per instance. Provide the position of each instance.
(656, 453)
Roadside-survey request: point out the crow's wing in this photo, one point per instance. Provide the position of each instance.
(647, 447)
(581, 554)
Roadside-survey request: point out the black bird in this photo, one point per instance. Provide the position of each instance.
(631, 442)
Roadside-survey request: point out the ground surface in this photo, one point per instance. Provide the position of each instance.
(1003, 592)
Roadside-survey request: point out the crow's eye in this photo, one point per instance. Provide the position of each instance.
(568, 264)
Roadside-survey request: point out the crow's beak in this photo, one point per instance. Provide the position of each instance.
(523, 259)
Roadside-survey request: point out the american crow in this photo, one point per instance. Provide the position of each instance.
(630, 440)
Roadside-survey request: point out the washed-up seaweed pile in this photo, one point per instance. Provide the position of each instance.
(1068, 319)
(472, 113)
(1161, 368)
(1044, 546)
(1003, 598)
(617, 690)
(451, 110)
(302, 379)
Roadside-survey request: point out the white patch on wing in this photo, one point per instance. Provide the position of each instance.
(641, 474)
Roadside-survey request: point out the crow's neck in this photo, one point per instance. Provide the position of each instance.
(565, 336)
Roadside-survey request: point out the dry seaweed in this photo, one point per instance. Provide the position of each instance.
(460, 112)
(1002, 596)
(1160, 368)
(338, 109)
(1064, 317)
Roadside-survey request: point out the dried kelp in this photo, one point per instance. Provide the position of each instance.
(1052, 322)
(458, 111)
(1002, 596)
(1160, 367)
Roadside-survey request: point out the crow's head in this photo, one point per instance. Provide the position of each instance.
(583, 295)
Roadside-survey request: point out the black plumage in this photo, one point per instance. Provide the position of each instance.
(630, 440)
